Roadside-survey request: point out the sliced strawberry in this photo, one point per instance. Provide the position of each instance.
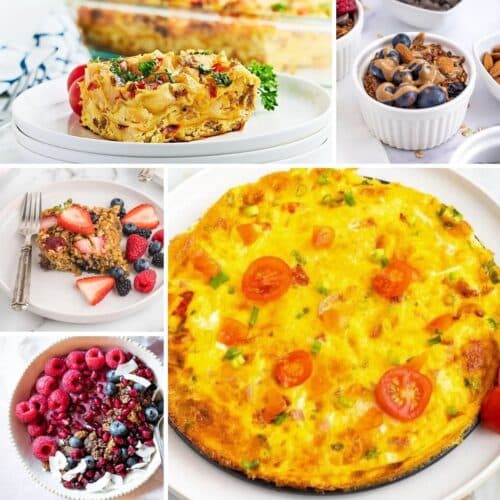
(94, 289)
(48, 222)
(83, 246)
(98, 242)
(76, 219)
(143, 216)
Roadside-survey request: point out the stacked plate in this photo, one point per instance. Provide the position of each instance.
(47, 130)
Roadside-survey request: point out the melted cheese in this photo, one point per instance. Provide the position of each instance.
(322, 443)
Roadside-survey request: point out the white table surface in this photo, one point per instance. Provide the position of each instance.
(486, 177)
(476, 19)
(14, 183)
(15, 353)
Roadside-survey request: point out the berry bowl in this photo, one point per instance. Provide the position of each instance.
(483, 147)
(413, 129)
(419, 17)
(484, 45)
(347, 46)
(92, 437)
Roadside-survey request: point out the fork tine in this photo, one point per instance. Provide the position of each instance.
(38, 211)
(23, 207)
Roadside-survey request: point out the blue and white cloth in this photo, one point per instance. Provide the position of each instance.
(55, 50)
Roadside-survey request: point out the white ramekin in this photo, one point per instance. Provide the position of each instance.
(483, 147)
(412, 129)
(20, 439)
(484, 45)
(347, 46)
(421, 18)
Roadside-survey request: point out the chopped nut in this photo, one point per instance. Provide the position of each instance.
(419, 154)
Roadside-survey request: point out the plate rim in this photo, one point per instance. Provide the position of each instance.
(100, 317)
(173, 198)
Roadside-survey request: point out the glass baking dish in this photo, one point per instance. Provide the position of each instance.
(298, 45)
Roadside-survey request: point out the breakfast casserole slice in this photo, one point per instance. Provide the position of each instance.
(167, 97)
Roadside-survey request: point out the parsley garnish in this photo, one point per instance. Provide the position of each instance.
(279, 7)
(268, 84)
(122, 74)
(232, 353)
(204, 70)
(170, 76)
(221, 79)
(434, 340)
(279, 419)
(147, 67)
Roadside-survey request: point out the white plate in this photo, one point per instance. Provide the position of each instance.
(53, 293)
(267, 155)
(44, 114)
(19, 436)
(452, 477)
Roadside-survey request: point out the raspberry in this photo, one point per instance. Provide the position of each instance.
(40, 403)
(72, 381)
(44, 447)
(95, 358)
(158, 236)
(59, 400)
(76, 360)
(37, 427)
(115, 357)
(136, 247)
(45, 385)
(55, 367)
(345, 6)
(145, 281)
(26, 411)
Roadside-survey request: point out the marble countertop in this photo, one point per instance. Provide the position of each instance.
(13, 182)
(474, 21)
(486, 177)
(15, 353)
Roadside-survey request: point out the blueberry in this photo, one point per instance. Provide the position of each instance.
(159, 406)
(75, 442)
(401, 38)
(111, 377)
(139, 387)
(431, 96)
(129, 228)
(110, 389)
(376, 72)
(132, 461)
(117, 272)
(400, 77)
(123, 454)
(455, 89)
(151, 414)
(407, 100)
(117, 201)
(71, 462)
(94, 217)
(145, 233)
(141, 265)
(89, 459)
(122, 213)
(154, 247)
(394, 54)
(118, 429)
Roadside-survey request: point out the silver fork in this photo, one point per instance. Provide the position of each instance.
(158, 430)
(21, 85)
(30, 222)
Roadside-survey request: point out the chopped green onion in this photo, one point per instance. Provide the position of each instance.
(251, 210)
(279, 419)
(492, 323)
(170, 77)
(472, 383)
(218, 280)
(371, 453)
(253, 316)
(349, 199)
(232, 353)
(321, 289)
(302, 313)
(323, 178)
(316, 347)
(301, 190)
(452, 411)
(345, 402)
(298, 257)
(231, 290)
(435, 340)
(238, 361)
(327, 199)
(250, 464)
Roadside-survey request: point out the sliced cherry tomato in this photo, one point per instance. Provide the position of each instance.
(232, 332)
(275, 404)
(490, 410)
(248, 233)
(204, 263)
(403, 393)
(75, 96)
(294, 369)
(266, 278)
(441, 323)
(393, 280)
(77, 73)
(323, 236)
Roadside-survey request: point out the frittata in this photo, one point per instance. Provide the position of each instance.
(328, 330)
(167, 97)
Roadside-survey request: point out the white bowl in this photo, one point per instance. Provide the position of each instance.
(486, 44)
(347, 46)
(483, 147)
(21, 441)
(412, 129)
(421, 18)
